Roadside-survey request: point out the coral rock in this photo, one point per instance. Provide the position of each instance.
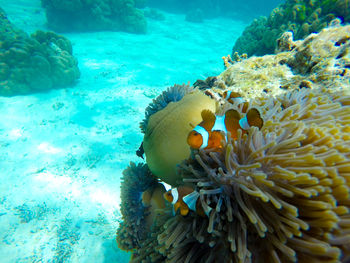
(34, 63)
(322, 59)
(301, 17)
(285, 42)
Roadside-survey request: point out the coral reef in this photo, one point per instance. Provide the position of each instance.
(301, 17)
(278, 194)
(320, 60)
(236, 58)
(86, 15)
(34, 63)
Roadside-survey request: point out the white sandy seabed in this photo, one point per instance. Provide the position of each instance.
(62, 153)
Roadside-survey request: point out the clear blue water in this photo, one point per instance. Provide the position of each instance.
(62, 152)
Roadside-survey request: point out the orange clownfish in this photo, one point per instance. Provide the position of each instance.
(208, 133)
(184, 198)
(233, 97)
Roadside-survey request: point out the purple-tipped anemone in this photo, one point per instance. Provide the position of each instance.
(171, 94)
(136, 179)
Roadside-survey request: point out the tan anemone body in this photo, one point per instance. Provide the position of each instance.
(165, 143)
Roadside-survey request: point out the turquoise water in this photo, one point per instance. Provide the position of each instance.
(62, 152)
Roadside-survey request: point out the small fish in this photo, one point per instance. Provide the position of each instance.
(209, 133)
(252, 118)
(153, 201)
(184, 199)
(234, 97)
(198, 138)
(153, 196)
(140, 151)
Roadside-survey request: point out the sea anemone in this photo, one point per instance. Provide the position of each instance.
(136, 179)
(182, 240)
(171, 94)
(279, 194)
(164, 142)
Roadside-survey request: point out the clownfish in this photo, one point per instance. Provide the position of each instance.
(184, 199)
(252, 118)
(208, 133)
(234, 97)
